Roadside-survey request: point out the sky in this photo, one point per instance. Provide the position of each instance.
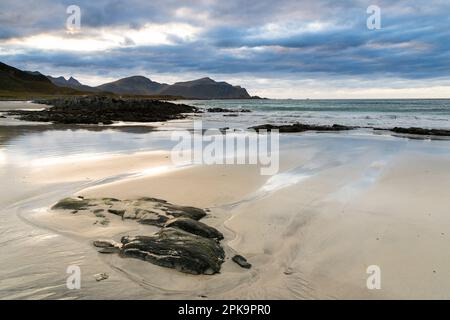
(318, 49)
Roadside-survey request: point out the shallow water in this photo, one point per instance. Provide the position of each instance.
(33, 259)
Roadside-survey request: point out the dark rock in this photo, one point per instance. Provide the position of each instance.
(72, 204)
(421, 131)
(183, 211)
(240, 260)
(195, 227)
(105, 110)
(223, 110)
(300, 127)
(177, 249)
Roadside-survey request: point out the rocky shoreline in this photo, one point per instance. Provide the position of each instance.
(300, 127)
(419, 131)
(88, 110)
(104, 110)
(182, 243)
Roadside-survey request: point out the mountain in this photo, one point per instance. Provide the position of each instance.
(205, 88)
(138, 85)
(33, 82)
(71, 83)
(15, 81)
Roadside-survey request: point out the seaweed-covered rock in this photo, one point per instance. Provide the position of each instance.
(177, 249)
(220, 110)
(151, 211)
(72, 204)
(183, 211)
(421, 131)
(195, 227)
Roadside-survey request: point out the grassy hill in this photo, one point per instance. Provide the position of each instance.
(15, 83)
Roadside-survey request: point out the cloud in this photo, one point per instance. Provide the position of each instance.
(288, 39)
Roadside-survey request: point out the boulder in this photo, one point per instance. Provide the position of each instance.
(195, 227)
(240, 260)
(177, 249)
(72, 204)
(223, 110)
(183, 211)
(421, 131)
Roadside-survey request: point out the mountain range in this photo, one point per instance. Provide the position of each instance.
(205, 88)
(30, 82)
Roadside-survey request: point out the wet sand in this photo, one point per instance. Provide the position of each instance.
(339, 204)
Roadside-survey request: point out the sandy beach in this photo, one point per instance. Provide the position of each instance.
(339, 204)
(224, 158)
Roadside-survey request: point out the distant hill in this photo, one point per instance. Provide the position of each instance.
(71, 83)
(29, 83)
(206, 88)
(16, 81)
(137, 85)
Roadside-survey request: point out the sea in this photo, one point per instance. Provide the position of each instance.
(431, 113)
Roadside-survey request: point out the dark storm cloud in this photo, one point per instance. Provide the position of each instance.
(284, 38)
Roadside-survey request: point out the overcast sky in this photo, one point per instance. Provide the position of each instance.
(279, 49)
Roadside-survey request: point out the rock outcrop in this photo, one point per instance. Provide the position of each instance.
(300, 127)
(105, 110)
(420, 131)
(241, 261)
(177, 249)
(182, 243)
